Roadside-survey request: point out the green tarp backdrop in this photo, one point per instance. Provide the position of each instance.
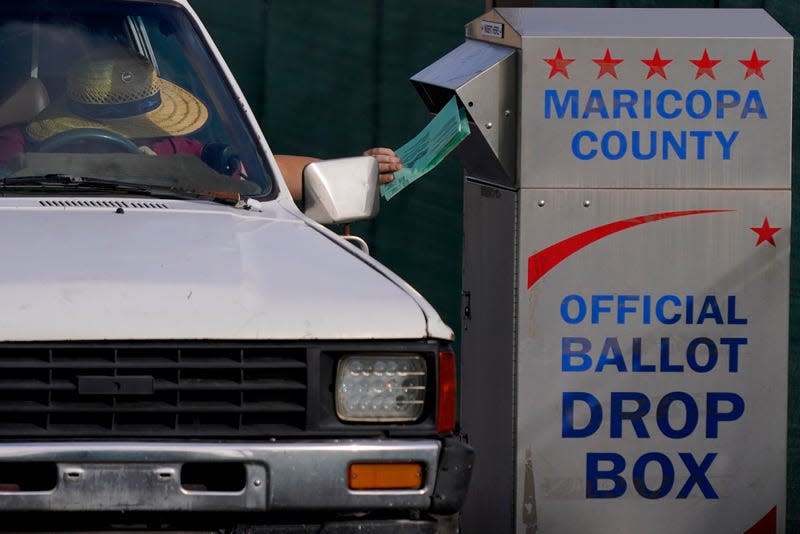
(331, 78)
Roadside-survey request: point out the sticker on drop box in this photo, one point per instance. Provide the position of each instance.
(492, 29)
(420, 155)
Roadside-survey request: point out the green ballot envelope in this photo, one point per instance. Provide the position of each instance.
(420, 155)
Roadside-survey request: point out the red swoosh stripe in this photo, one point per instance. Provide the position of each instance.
(766, 525)
(544, 260)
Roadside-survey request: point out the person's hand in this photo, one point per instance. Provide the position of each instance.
(388, 163)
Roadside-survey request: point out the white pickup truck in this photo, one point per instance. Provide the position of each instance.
(180, 347)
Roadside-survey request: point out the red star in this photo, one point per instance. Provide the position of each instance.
(656, 65)
(608, 65)
(705, 65)
(765, 233)
(558, 64)
(754, 65)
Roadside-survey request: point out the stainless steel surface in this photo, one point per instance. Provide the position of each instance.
(491, 99)
(135, 476)
(653, 166)
(484, 76)
(492, 27)
(342, 190)
(458, 67)
(698, 255)
(487, 375)
(642, 23)
(582, 148)
(633, 35)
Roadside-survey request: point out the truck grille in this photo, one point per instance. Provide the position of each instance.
(149, 390)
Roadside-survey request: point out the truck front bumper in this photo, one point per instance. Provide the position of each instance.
(244, 477)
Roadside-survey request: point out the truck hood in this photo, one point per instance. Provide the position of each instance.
(143, 269)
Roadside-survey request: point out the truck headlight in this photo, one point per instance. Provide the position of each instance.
(380, 388)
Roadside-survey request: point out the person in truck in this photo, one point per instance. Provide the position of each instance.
(117, 91)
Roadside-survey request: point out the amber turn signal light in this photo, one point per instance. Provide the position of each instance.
(384, 476)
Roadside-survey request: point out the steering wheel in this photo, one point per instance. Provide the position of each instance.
(68, 137)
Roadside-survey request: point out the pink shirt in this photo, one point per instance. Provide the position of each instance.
(12, 142)
(177, 145)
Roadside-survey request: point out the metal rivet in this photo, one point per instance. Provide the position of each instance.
(541, 203)
(257, 483)
(507, 113)
(587, 203)
(488, 125)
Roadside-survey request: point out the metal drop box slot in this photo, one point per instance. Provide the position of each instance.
(627, 213)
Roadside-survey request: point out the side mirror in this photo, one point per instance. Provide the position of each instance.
(339, 191)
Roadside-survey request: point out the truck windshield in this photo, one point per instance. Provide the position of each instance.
(119, 91)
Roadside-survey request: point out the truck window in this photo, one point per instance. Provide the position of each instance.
(106, 65)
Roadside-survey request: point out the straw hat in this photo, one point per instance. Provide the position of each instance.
(121, 93)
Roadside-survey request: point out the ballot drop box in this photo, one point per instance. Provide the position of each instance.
(626, 268)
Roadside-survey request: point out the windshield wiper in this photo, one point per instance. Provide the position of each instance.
(66, 180)
(69, 183)
(176, 175)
